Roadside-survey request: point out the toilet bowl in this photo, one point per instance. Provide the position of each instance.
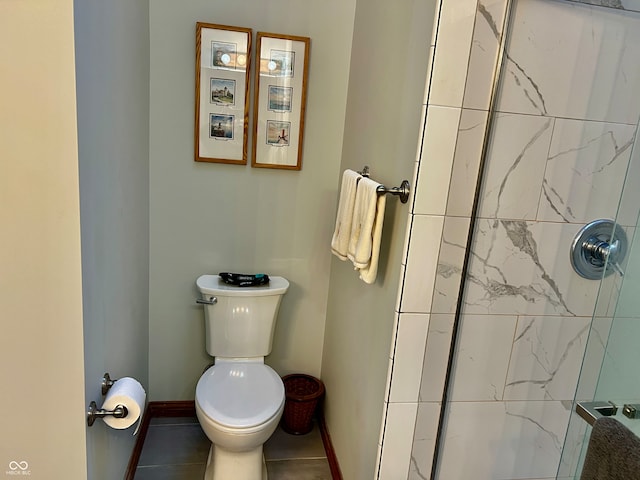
(240, 399)
(239, 405)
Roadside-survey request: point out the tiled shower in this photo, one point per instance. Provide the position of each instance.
(559, 149)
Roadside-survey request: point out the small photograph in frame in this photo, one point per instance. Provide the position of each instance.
(278, 133)
(282, 63)
(224, 55)
(221, 126)
(223, 91)
(282, 67)
(280, 98)
(223, 60)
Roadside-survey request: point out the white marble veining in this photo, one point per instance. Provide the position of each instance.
(574, 446)
(484, 53)
(546, 358)
(466, 162)
(557, 170)
(424, 440)
(482, 359)
(572, 60)
(515, 167)
(436, 356)
(516, 267)
(585, 170)
(503, 440)
(450, 262)
(593, 357)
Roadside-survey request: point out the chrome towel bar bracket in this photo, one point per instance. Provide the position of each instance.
(402, 191)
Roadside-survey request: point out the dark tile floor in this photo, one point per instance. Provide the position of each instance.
(177, 449)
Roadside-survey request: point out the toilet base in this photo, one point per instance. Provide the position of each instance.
(224, 465)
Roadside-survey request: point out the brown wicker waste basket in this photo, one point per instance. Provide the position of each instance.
(302, 395)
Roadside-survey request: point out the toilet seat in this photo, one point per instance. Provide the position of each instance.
(240, 395)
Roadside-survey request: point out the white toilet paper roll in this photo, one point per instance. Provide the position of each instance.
(128, 392)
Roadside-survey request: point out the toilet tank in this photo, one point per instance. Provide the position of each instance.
(242, 321)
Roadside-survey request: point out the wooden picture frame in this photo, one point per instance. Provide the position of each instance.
(281, 73)
(223, 59)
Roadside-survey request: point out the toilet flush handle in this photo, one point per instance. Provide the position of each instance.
(207, 301)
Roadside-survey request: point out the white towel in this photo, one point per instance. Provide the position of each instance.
(366, 229)
(344, 217)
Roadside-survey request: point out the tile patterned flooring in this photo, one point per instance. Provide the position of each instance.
(177, 449)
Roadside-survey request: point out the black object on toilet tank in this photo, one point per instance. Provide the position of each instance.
(244, 279)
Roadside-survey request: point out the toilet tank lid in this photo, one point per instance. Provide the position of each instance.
(213, 285)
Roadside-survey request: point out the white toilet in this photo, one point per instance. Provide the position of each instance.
(239, 400)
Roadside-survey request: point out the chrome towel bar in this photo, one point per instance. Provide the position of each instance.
(592, 411)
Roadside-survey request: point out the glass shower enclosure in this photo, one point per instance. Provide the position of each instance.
(609, 381)
(534, 337)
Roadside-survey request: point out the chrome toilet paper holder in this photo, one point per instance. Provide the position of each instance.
(94, 412)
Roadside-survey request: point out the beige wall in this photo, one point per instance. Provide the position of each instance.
(208, 218)
(112, 72)
(386, 86)
(40, 284)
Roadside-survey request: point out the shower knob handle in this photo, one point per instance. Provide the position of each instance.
(600, 251)
(598, 245)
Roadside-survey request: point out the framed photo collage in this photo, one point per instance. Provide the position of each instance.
(223, 64)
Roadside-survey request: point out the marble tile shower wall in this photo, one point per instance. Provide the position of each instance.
(559, 151)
